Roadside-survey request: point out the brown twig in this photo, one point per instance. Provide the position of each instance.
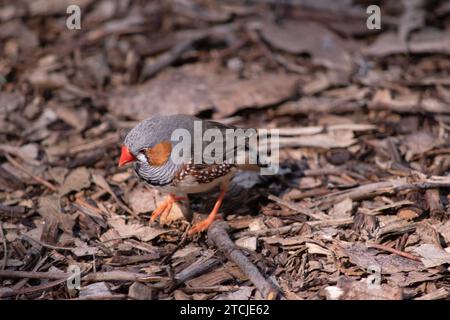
(108, 140)
(127, 260)
(19, 285)
(270, 231)
(218, 234)
(120, 276)
(187, 43)
(293, 206)
(33, 289)
(197, 268)
(34, 274)
(167, 58)
(373, 189)
(381, 209)
(394, 251)
(294, 227)
(46, 245)
(27, 172)
(92, 277)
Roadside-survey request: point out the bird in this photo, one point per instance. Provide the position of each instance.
(149, 147)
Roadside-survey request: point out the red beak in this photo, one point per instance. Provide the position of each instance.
(125, 156)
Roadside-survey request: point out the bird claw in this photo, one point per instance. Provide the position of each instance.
(165, 207)
(162, 208)
(158, 211)
(199, 227)
(203, 225)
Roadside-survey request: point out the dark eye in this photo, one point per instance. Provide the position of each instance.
(144, 153)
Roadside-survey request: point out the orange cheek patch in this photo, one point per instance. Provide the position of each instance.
(159, 154)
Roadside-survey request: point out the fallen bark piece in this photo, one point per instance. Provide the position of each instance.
(325, 47)
(432, 255)
(348, 289)
(95, 290)
(34, 274)
(439, 294)
(140, 291)
(218, 234)
(77, 180)
(193, 89)
(366, 258)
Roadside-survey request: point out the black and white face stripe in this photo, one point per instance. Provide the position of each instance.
(156, 176)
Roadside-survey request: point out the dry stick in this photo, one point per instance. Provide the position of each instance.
(119, 276)
(185, 45)
(93, 277)
(5, 247)
(127, 260)
(379, 210)
(27, 172)
(86, 208)
(46, 245)
(199, 267)
(294, 227)
(104, 142)
(24, 281)
(331, 222)
(377, 188)
(320, 220)
(167, 58)
(293, 206)
(392, 250)
(34, 274)
(296, 194)
(41, 287)
(220, 237)
(103, 184)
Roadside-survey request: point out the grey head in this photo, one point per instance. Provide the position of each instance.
(149, 133)
(153, 130)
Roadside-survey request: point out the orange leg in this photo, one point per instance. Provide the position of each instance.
(166, 206)
(204, 224)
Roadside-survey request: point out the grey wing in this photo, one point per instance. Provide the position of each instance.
(234, 144)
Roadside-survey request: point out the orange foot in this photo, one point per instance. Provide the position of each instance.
(166, 206)
(204, 224)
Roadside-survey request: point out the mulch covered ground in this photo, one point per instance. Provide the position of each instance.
(360, 206)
